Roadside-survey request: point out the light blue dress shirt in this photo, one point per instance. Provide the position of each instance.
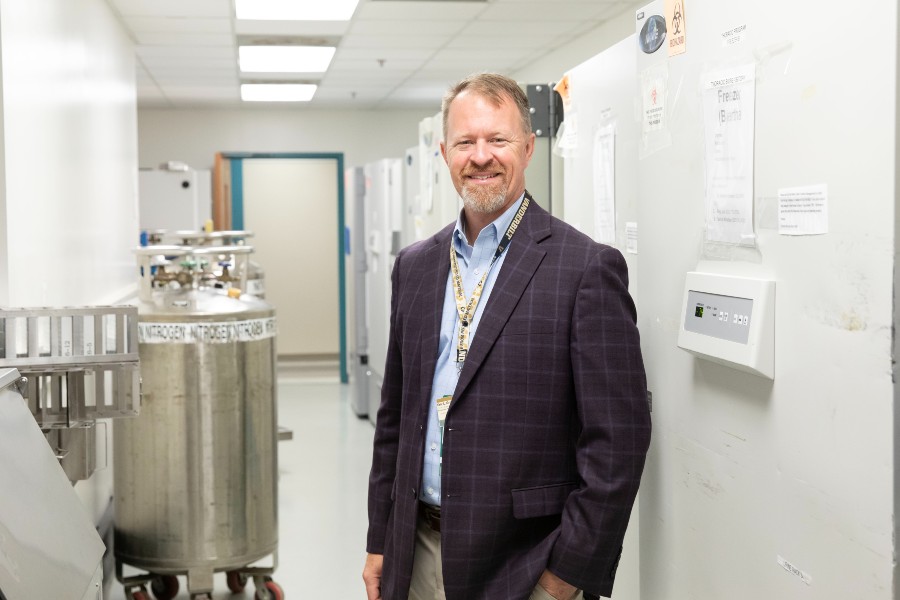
(473, 262)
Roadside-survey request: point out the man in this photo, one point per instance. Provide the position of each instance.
(514, 420)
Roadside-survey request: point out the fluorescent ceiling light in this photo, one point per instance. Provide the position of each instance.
(285, 59)
(277, 92)
(295, 10)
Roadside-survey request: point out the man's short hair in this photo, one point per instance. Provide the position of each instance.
(495, 88)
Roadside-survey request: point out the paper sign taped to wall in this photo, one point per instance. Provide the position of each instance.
(605, 184)
(631, 237)
(654, 90)
(728, 116)
(803, 210)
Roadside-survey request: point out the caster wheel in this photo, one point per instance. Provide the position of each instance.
(237, 581)
(139, 594)
(271, 591)
(165, 587)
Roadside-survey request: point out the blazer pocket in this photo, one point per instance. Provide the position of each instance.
(541, 501)
(522, 326)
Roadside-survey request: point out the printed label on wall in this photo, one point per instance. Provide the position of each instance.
(734, 36)
(207, 333)
(793, 570)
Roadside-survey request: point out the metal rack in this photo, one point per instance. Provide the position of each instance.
(79, 365)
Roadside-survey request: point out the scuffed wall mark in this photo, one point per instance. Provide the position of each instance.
(707, 486)
(734, 435)
(851, 321)
(808, 93)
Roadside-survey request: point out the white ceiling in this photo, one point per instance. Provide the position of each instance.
(392, 53)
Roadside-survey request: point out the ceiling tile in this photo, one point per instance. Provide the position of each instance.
(382, 77)
(547, 11)
(291, 28)
(154, 63)
(189, 46)
(488, 44)
(394, 41)
(173, 8)
(418, 11)
(467, 66)
(475, 54)
(513, 4)
(177, 25)
(187, 52)
(410, 62)
(403, 27)
(205, 92)
(183, 39)
(385, 53)
(351, 92)
(525, 30)
(432, 93)
(206, 76)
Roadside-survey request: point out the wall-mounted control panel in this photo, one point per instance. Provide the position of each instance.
(731, 321)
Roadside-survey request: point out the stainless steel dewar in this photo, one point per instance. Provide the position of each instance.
(196, 473)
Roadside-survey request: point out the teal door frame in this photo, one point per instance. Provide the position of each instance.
(237, 222)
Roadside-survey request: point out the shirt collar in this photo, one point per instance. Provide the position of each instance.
(494, 228)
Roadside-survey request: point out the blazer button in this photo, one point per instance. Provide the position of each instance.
(413, 491)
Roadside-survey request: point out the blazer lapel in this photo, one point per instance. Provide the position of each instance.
(523, 258)
(431, 301)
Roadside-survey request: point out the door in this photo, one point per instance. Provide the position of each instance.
(291, 205)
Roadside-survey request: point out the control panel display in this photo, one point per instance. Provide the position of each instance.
(724, 317)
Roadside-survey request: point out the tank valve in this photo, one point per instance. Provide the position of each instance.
(225, 277)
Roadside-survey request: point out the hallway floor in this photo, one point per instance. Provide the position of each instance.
(323, 473)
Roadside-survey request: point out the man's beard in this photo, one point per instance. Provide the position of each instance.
(485, 200)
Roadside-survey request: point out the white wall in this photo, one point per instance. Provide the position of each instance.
(195, 135)
(68, 163)
(743, 470)
(551, 67)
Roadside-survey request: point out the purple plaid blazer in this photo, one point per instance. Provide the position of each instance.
(545, 439)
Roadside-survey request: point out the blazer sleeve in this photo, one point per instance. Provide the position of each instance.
(387, 430)
(611, 399)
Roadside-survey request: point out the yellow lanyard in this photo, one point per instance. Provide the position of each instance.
(466, 310)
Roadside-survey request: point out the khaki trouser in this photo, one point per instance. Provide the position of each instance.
(427, 577)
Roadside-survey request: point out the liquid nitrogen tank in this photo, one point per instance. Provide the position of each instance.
(196, 474)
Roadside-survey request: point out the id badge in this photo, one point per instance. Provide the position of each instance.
(443, 405)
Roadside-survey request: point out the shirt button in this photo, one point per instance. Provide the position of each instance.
(430, 491)
(433, 447)
(477, 271)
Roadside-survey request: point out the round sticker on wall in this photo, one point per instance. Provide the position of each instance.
(653, 34)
